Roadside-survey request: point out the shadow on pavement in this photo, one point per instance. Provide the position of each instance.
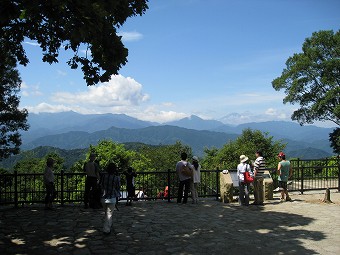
(158, 227)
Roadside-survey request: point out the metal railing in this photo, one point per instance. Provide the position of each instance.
(315, 174)
(19, 189)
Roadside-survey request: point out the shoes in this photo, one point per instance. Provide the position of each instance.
(288, 199)
(281, 200)
(107, 233)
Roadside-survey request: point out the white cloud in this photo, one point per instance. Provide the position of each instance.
(30, 90)
(167, 104)
(61, 73)
(32, 43)
(270, 111)
(119, 91)
(131, 36)
(154, 113)
(44, 107)
(23, 85)
(279, 114)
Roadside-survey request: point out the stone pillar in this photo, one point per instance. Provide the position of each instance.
(268, 186)
(226, 188)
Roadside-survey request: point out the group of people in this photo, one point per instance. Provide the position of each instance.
(256, 170)
(188, 179)
(107, 184)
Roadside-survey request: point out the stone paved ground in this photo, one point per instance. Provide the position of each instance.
(304, 226)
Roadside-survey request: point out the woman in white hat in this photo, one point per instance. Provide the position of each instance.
(243, 186)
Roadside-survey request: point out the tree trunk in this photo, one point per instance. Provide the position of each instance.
(327, 198)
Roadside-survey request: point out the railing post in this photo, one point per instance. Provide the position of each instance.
(217, 182)
(62, 187)
(169, 187)
(338, 161)
(302, 175)
(16, 189)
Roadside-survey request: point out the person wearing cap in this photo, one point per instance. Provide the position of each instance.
(259, 167)
(195, 180)
(49, 184)
(91, 168)
(284, 171)
(243, 186)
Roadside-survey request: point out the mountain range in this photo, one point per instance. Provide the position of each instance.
(70, 130)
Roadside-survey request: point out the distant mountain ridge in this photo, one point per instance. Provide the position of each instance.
(43, 124)
(70, 130)
(197, 139)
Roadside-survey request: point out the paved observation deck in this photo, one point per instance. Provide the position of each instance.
(304, 226)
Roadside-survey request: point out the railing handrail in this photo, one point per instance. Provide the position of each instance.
(70, 185)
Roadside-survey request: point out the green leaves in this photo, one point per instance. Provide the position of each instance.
(312, 79)
(74, 23)
(12, 119)
(247, 143)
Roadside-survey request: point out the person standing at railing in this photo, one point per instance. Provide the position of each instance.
(284, 171)
(130, 184)
(196, 179)
(243, 186)
(91, 168)
(110, 185)
(259, 167)
(184, 180)
(49, 184)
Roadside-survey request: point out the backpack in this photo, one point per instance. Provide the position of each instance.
(248, 176)
(186, 170)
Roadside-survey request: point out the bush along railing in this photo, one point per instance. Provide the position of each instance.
(19, 189)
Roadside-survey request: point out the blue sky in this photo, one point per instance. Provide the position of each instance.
(215, 59)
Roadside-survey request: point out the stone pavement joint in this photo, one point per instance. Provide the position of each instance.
(303, 226)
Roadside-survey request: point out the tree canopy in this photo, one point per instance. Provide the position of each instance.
(12, 119)
(312, 79)
(57, 24)
(228, 157)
